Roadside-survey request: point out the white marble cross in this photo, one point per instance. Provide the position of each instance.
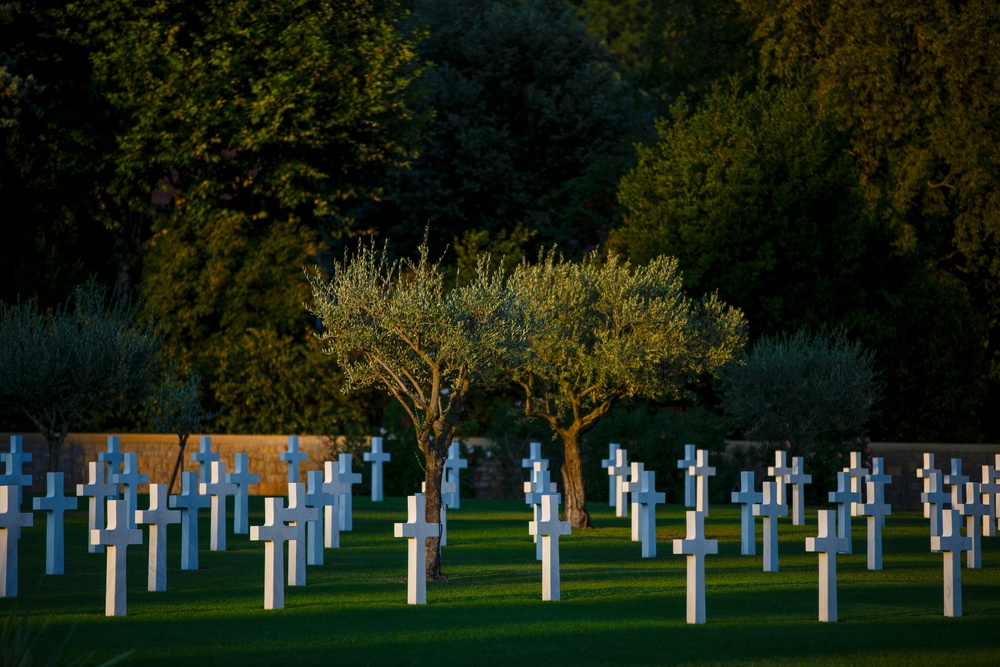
(130, 478)
(274, 533)
(99, 491)
(827, 544)
(377, 457)
(14, 461)
(701, 471)
(620, 470)
(845, 498)
(770, 509)
(293, 457)
(690, 454)
(11, 521)
(696, 547)
(54, 503)
(189, 502)
(534, 490)
(218, 488)
(973, 509)
(298, 515)
(951, 543)
(631, 487)
(449, 489)
(926, 473)
(996, 477)
(416, 530)
(114, 458)
(446, 498)
(798, 479)
(242, 478)
(452, 467)
(747, 497)
(612, 478)
(549, 528)
(880, 479)
(204, 457)
(534, 455)
(935, 499)
(956, 480)
(779, 471)
(645, 499)
(117, 537)
(349, 478)
(318, 497)
(331, 519)
(876, 509)
(856, 473)
(157, 517)
(989, 486)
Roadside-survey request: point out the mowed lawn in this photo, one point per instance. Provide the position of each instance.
(616, 607)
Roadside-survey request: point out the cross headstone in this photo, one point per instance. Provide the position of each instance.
(348, 478)
(798, 479)
(612, 478)
(935, 499)
(845, 498)
(701, 471)
(951, 543)
(318, 497)
(218, 488)
(996, 498)
(298, 515)
(452, 467)
(157, 517)
(274, 533)
(770, 509)
(416, 530)
(880, 479)
(696, 547)
(876, 509)
(189, 502)
(779, 471)
(631, 487)
(130, 478)
(446, 498)
(113, 458)
(242, 478)
(54, 503)
(377, 457)
(645, 499)
(11, 521)
(956, 480)
(449, 489)
(620, 469)
(99, 491)
(827, 544)
(925, 473)
(14, 462)
(117, 537)
(204, 457)
(549, 528)
(856, 473)
(690, 454)
(293, 457)
(973, 509)
(539, 486)
(989, 486)
(331, 516)
(747, 497)
(534, 456)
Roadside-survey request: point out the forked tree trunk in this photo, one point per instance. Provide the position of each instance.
(432, 497)
(575, 497)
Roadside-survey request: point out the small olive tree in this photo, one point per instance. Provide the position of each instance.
(611, 331)
(175, 407)
(75, 364)
(397, 327)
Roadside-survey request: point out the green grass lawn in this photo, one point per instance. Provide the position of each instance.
(616, 607)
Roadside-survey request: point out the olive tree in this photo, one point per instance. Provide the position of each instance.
(397, 327)
(74, 364)
(611, 331)
(175, 407)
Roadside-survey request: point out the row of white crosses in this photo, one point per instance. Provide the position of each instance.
(545, 528)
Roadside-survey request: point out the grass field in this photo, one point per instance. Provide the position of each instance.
(616, 607)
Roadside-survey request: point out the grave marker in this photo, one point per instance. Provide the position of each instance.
(606, 464)
(189, 502)
(117, 537)
(331, 519)
(856, 473)
(701, 471)
(646, 498)
(925, 473)
(242, 478)
(348, 478)
(293, 457)
(876, 509)
(204, 457)
(113, 458)
(11, 521)
(453, 465)
(157, 517)
(549, 528)
(880, 479)
(974, 510)
(274, 533)
(298, 515)
(827, 544)
(318, 497)
(130, 478)
(14, 461)
(690, 454)
(218, 488)
(990, 488)
(99, 491)
(377, 457)
(632, 486)
(845, 498)
(534, 490)
(779, 471)
(798, 480)
(620, 469)
(935, 499)
(54, 503)
(747, 497)
(416, 530)
(696, 547)
(956, 480)
(770, 509)
(951, 544)
(534, 455)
